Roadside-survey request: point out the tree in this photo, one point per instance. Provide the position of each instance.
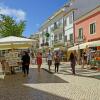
(9, 26)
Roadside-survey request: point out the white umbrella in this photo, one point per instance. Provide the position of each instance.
(11, 42)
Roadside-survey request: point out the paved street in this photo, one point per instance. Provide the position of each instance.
(52, 86)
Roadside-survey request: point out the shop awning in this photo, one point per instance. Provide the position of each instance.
(94, 43)
(85, 45)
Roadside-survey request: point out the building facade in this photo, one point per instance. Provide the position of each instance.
(55, 27)
(78, 23)
(35, 46)
(87, 26)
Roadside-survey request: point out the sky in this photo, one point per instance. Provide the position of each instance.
(34, 12)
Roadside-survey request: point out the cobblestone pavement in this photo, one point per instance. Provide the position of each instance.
(51, 86)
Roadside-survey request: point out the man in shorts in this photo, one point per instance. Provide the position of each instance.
(49, 59)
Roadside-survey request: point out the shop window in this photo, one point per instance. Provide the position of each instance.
(92, 28)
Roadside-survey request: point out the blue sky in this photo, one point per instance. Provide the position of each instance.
(35, 12)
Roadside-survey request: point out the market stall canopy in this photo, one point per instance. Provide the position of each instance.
(73, 48)
(15, 42)
(85, 45)
(94, 43)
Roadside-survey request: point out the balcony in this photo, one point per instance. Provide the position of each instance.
(58, 29)
(58, 43)
(45, 44)
(70, 43)
(80, 40)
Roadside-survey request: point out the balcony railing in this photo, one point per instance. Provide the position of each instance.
(58, 41)
(57, 27)
(70, 43)
(45, 44)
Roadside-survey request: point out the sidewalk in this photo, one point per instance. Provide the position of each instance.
(47, 86)
(65, 68)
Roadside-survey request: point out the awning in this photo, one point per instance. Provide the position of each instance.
(94, 43)
(85, 45)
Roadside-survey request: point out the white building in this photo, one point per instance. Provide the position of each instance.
(60, 27)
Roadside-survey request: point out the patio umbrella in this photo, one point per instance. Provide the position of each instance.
(13, 42)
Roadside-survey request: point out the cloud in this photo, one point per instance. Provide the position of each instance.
(17, 14)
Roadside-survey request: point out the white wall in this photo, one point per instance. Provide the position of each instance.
(69, 27)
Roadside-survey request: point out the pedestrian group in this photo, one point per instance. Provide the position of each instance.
(53, 57)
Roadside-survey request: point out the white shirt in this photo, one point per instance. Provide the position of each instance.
(49, 56)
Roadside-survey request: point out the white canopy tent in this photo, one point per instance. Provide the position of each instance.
(13, 42)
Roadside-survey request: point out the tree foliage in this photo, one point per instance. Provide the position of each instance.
(9, 26)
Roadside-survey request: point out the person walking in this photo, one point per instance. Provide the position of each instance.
(49, 59)
(73, 62)
(25, 63)
(57, 61)
(39, 60)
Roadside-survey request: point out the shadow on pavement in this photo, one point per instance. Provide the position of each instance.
(80, 74)
(35, 77)
(13, 86)
(44, 77)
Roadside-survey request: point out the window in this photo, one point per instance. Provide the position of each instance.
(46, 30)
(80, 33)
(70, 18)
(71, 37)
(71, 40)
(55, 38)
(52, 28)
(55, 25)
(92, 28)
(65, 38)
(65, 22)
(60, 22)
(60, 36)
